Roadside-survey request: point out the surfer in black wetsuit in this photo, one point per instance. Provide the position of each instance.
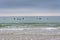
(23, 18)
(20, 18)
(14, 18)
(40, 18)
(47, 18)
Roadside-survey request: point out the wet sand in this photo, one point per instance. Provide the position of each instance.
(25, 35)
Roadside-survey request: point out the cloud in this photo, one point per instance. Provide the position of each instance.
(30, 6)
(45, 4)
(26, 10)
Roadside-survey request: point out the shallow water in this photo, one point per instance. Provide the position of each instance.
(28, 25)
(31, 28)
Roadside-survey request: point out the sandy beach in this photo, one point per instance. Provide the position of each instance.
(26, 35)
(13, 36)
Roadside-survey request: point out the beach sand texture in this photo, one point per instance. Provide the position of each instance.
(22, 35)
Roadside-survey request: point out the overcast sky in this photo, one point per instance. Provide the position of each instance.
(29, 6)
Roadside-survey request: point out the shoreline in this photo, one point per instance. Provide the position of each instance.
(43, 31)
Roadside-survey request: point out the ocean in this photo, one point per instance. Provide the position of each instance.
(29, 21)
(45, 25)
(27, 25)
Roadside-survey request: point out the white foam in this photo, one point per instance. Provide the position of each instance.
(12, 29)
(48, 28)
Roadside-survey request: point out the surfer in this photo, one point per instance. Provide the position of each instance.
(40, 18)
(23, 18)
(47, 18)
(14, 18)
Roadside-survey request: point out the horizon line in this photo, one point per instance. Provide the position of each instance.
(30, 14)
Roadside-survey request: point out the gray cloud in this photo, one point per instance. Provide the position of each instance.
(30, 3)
(35, 4)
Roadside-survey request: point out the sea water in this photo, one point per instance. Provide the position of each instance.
(19, 25)
(46, 25)
(29, 21)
